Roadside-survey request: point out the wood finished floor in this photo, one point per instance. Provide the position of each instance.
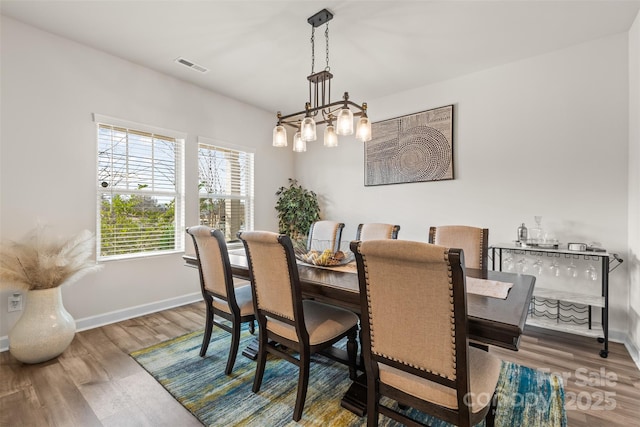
(95, 382)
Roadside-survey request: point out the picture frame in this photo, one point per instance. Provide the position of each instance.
(412, 148)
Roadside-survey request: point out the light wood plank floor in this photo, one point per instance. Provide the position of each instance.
(96, 383)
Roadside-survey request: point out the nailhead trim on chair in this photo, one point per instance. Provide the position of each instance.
(453, 335)
(258, 296)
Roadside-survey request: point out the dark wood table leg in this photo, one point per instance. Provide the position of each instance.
(251, 351)
(355, 399)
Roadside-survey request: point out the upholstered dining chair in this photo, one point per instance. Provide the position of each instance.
(220, 296)
(284, 318)
(473, 241)
(434, 371)
(377, 231)
(325, 235)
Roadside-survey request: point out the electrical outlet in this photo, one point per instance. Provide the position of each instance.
(15, 302)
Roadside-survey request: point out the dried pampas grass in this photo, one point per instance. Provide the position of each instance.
(41, 262)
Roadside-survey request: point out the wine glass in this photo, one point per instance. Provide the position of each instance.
(538, 266)
(554, 268)
(572, 270)
(591, 272)
(522, 265)
(507, 262)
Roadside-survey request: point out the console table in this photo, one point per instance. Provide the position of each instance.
(564, 296)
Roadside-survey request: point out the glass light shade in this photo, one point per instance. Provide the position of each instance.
(330, 137)
(308, 129)
(299, 145)
(363, 130)
(344, 122)
(279, 136)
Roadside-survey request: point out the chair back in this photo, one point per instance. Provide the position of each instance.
(473, 241)
(274, 276)
(213, 262)
(325, 235)
(377, 231)
(428, 290)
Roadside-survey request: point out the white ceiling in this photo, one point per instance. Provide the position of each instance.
(259, 51)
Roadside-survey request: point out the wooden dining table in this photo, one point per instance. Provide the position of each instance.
(491, 321)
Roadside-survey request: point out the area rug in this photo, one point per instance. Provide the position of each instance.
(526, 397)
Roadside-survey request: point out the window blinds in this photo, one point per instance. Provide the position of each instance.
(226, 189)
(139, 192)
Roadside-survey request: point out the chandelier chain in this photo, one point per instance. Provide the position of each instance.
(326, 37)
(313, 51)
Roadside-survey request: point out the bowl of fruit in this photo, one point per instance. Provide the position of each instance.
(324, 258)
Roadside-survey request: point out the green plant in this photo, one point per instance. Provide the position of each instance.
(297, 209)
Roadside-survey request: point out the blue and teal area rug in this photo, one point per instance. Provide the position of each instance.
(526, 397)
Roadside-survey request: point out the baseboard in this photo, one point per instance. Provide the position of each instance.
(625, 339)
(124, 314)
(633, 351)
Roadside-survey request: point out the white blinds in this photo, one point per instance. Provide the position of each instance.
(226, 189)
(139, 192)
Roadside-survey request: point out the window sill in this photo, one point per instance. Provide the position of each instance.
(130, 257)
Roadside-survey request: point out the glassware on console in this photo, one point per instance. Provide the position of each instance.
(572, 270)
(522, 265)
(591, 272)
(554, 268)
(536, 234)
(507, 262)
(538, 267)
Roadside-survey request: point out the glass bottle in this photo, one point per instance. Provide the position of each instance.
(522, 233)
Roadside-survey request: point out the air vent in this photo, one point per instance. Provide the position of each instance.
(191, 65)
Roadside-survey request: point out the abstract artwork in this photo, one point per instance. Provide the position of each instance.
(413, 148)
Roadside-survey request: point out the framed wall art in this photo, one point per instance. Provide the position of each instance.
(413, 148)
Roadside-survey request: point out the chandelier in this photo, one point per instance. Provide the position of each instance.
(319, 109)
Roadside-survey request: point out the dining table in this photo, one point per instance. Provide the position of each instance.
(491, 320)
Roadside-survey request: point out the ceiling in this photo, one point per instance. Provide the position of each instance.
(259, 52)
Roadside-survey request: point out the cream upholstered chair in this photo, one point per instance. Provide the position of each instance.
(377, 231)
(473, 241)
(434, 371)
(285, 318)
(325, 235)
(220, 296)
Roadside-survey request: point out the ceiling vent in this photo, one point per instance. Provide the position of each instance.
(191, 65)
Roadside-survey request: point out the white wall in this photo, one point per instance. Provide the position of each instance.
(634, 186)
(50, 88)
(543, 136)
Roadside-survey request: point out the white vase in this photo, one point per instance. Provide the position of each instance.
(45, 328)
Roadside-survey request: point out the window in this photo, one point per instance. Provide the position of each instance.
(140, 190)
(225, 187)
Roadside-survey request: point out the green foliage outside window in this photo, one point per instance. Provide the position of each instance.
(136, 223)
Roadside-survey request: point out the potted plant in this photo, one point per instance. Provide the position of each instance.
(297, 208)
(41, 265)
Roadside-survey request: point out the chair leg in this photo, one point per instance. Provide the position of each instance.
(207, 329)
(303, 382)
(235, 342)
(261, 361)
(352, 352)
(252, 327)
(491, 415)
(372, 404)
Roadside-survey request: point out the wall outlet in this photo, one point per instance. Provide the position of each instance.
(15, 302)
